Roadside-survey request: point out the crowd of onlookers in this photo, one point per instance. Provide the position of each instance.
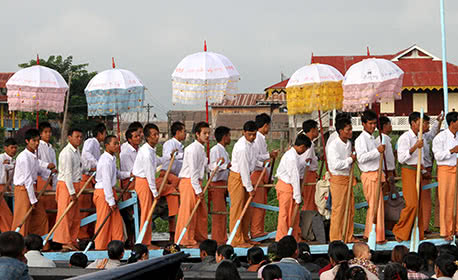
(285, 259)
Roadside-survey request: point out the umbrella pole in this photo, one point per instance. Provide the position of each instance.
(38, 119)
(206, 119)
(322, 140)
(444, 58)
(119, 129)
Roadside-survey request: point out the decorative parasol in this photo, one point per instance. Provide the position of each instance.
(36, 88)
(371, 80)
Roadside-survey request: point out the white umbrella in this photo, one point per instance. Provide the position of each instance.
(371, 80)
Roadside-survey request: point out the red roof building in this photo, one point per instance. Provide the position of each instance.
(422, 85)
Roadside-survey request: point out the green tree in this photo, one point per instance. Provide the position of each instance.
(77, 107)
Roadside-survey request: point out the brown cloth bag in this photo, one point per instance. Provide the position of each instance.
(393, 205)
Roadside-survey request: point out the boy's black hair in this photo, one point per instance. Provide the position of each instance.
(413, 261)
(302, 139)
(220, 132)
(341, 124)
(209, 246)
(250, 126)
(99, 128)
(33, 242)
(451, 117)
(135, 125)
(255, 255)
(176, 126)
(115, 249)
(108, 139)
(79, 260)
(9, 142)
(446, 264)
(287, 246)
(199, 126)
(262, 119)
(309, 125)
(31, 133)
(43, 125)
(368, 115)
(383, 121)
(413, 117)
(73, 129)
(129, 133)
(148, 127)
(11, 244)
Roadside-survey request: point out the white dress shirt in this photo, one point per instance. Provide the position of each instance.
(339, 158)
(366, 152)
(46, 155)
(216, 152)
(389, 155)
(406, 141)
(244, 161)
(261, 152)
(70, 167)
(442, 144)
(36, 259)
(124, 146)
(333, 136)
(6, 168)
(91, 153)
(428, 137)
(26, 172)
(127, 158)
(106, 176)
(167, 149)
(288, 172)
(194, 164)
(309, 154)
(145, 166)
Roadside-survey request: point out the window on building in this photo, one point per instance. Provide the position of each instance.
(387, 107)
(420, 100)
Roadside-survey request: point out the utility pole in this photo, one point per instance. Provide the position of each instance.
(148, 107)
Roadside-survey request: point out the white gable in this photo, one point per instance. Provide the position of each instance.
(415, 52)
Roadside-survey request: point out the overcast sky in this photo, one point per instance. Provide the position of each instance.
(261, 38)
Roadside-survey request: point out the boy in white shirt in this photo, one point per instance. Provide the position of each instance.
(174, 144)
(6, 177)
(137, 126)
(445, 149)
(368, 153)
(310, 129)
(289, 187)
(191, 175)
(218, 196)
(340, 160)
(105, 195)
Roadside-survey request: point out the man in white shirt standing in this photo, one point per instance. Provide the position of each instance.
(445, 149)
(173, 144)
(47, 159)
(408, 147)
(194, 165)
(68, 184)
(34, 245)
(368, 154)
(105, 195)
(89, 156)
(146, 184)
(240, 185)
(218, 196)
(289, 188)
(6, 177)
(137, 126)
(25, 176)
(310, 129)
(340, 159)
(260, 146)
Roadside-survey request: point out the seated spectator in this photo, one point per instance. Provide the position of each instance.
(78, 260)
(226, 252)
(449, 249)
(356, 273)
(395, 271)
(398, 253)
(339, 256)
(445, 267)
(271, 272)
(428, 252)
(139, 253)
(413, 263)
(12, 261)
(227, 271)
(33, 246)
(321, 262)
(115, 253)
(305, 258)
(272, 252)
(289, 266)
(256, 258)
(207, 256)
(171, 249)
(362, 257)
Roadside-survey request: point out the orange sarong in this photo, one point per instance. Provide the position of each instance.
(370, 185)
(6, 217)
(219, 221)
(287, 205)
(113, 228)
(197, 230)
(258, 215)
(446, 190)
(239, 197)
(426, 201)
(48, 201)
(85, 202)
(403, 228)
(308, 193)
(67, 231)
(37, 222)
(339, 190)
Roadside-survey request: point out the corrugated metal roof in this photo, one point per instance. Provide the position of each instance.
(236, 121)
(241, 100)
(4, 77)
